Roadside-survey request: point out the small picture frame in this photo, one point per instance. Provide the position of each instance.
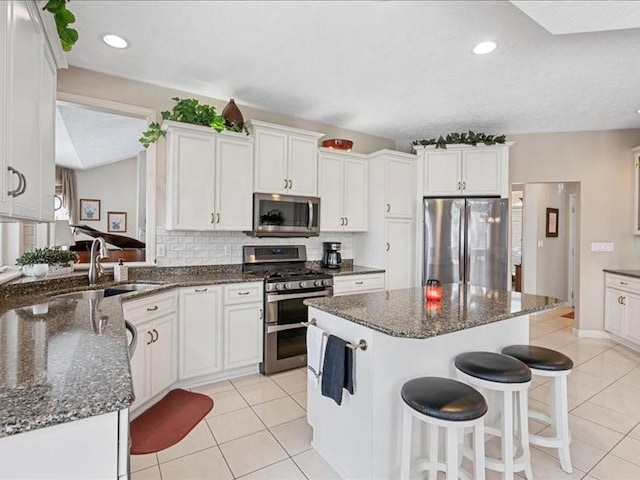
(552, 222)
(117, 222)
(89, 209)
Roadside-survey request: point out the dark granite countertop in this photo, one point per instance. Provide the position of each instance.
(55, 366)
(626, 273)
(350, 269)
(404, 313)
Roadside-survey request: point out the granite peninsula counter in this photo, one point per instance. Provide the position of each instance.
(406, 338)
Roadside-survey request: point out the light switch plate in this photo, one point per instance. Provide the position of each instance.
(160, 251)
(540, 243)
(602, 246)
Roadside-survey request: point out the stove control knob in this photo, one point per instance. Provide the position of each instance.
(326, 282)
(303, 284)
(290, 286)
(318, 283)
(280, 286)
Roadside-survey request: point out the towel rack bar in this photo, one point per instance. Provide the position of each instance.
(362, 344)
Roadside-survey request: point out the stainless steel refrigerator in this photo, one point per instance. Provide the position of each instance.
(465, 240)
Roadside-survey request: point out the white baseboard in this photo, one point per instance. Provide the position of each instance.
(582, 333)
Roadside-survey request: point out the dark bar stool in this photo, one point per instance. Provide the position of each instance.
(557, 366)
(446, 403)
(509, 376)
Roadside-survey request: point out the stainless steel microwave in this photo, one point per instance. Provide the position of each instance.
(276, 215)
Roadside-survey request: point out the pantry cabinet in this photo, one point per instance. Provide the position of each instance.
(343, 191)
(154, 363)
(209, 178)
(285, 159)
(463, 170)
(622, 308)
(390, 242)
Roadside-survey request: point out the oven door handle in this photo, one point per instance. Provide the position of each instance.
(278, 297)
(280, 328)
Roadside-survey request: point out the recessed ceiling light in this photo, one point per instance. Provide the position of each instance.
(638, 112)
(115, 41)
(484, 47)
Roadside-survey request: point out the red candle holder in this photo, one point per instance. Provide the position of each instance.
(433, 291)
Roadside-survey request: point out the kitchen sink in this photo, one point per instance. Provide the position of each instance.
(109, 291)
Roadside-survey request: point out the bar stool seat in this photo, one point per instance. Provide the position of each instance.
(447, 403)
(557, 366)
(501, 373)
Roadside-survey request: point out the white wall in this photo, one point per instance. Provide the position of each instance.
(602, 164)
(115, 185)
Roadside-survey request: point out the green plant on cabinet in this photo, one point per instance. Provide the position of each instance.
(63, 17)
(466, 138)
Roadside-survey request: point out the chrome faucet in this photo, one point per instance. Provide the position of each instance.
(95, 269)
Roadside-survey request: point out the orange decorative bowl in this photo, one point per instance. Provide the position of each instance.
(338, 144)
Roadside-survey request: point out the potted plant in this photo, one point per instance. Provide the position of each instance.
(56, 260)
(189, 110)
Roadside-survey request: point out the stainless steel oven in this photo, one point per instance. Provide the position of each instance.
(285, 337)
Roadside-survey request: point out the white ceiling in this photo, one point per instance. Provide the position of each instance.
(398, 69)
(88, 138)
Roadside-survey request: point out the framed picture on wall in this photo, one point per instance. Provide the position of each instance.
(117, 222)
(89, 209)
(552, 222)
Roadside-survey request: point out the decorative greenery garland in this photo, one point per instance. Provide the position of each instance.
(46, 255)
(187, 110)
(469, 138)
(63, 17)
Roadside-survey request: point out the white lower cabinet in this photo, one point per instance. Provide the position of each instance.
(622, 309)
(364, 283)
(154, 363)
(243, 326)
(220, 328)
(200, 331)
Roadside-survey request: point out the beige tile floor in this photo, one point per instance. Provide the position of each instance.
(258, 429)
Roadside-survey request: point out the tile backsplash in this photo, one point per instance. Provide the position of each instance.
(213, 248)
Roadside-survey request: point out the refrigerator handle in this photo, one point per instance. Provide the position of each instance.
(467, 255)
(462, 236)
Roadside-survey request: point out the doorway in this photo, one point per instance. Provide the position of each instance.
(544, 239)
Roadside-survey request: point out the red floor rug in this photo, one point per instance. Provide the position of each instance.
(568, 315)
(168, 421)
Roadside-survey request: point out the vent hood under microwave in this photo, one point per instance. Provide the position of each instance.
(276, 215)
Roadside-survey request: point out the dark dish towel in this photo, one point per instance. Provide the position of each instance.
(337, 370)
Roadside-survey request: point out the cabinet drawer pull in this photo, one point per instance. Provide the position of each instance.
(213, 217)
(261, 314)
(359, 283)
(620, 300)
(16, 191)
(623, 301)
(201, 289)
(150, 341)
(286, 183)
(388, 246)
(152, 309)
(290, 184)
(464, 185)
(346, 221)
(244, 293)
(157, 335)
(342, 221)
(388, 208)
(218, 220)
(623, 283)
(459, 186)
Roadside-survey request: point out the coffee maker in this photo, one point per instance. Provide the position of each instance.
(331, 257)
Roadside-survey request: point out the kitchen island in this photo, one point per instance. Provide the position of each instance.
(406, 338)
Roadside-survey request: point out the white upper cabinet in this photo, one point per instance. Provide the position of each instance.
(342, 183)
(463, 170)
(285, 159)
(27, 94)
(209, 178)
(399, 196)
